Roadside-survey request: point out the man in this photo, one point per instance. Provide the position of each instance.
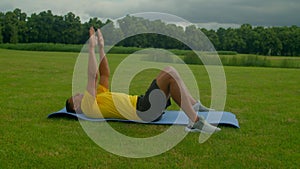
(99, 102)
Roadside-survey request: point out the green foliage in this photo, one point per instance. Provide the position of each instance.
(180, 52)
(43, 47)
(1, 37)
(248, 60)
(46, 27)
(227, 53)
(123, 50)
(233, 60)
(63, 47)
(289, 63)
(192, 58)
(1, 26)
(10, 27)
(158, 55)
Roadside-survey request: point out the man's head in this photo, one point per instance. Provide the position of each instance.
(73, 104)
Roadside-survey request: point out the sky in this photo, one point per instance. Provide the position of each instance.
(208, 13)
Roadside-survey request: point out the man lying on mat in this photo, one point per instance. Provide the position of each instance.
(99, 102)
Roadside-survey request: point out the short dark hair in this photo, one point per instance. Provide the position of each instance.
(69, 107)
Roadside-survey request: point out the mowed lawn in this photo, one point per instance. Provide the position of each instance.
(266, 102)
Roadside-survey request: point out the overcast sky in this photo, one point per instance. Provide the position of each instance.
(255, 12)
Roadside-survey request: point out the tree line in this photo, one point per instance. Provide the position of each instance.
(45, 27)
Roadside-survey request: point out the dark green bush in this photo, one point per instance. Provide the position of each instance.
(123, 50)
(249, 60)
(289, 63)
(227, 53)
(192, 58)
(43, 47)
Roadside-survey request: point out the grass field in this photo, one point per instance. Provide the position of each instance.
(34, 84)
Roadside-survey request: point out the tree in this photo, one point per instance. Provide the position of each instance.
(1, 26)
(10, 31)
(194, 38)
(16, 26)
(232, 41)
(213, 37)
(72, 29)
(246, 34)
(221, 32)
(297, 41)
(32, 26)
(40, 27)
(21, 25)
(270, 43)
(290, 38)
(131, 25)
(111, 34)
(95, 22)
(57, 35)
(178, 33)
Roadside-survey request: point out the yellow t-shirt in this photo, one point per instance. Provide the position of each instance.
(109, 105)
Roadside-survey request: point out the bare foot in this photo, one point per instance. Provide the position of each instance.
(92, 40)
(100, 39)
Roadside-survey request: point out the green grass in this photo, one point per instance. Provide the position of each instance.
(34, 84)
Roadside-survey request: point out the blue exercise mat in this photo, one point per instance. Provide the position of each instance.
(169, 117)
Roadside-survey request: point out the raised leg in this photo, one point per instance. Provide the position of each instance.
(170, 82)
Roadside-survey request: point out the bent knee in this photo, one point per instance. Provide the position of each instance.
(171, 71)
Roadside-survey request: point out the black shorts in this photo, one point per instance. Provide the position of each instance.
(150, 107)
